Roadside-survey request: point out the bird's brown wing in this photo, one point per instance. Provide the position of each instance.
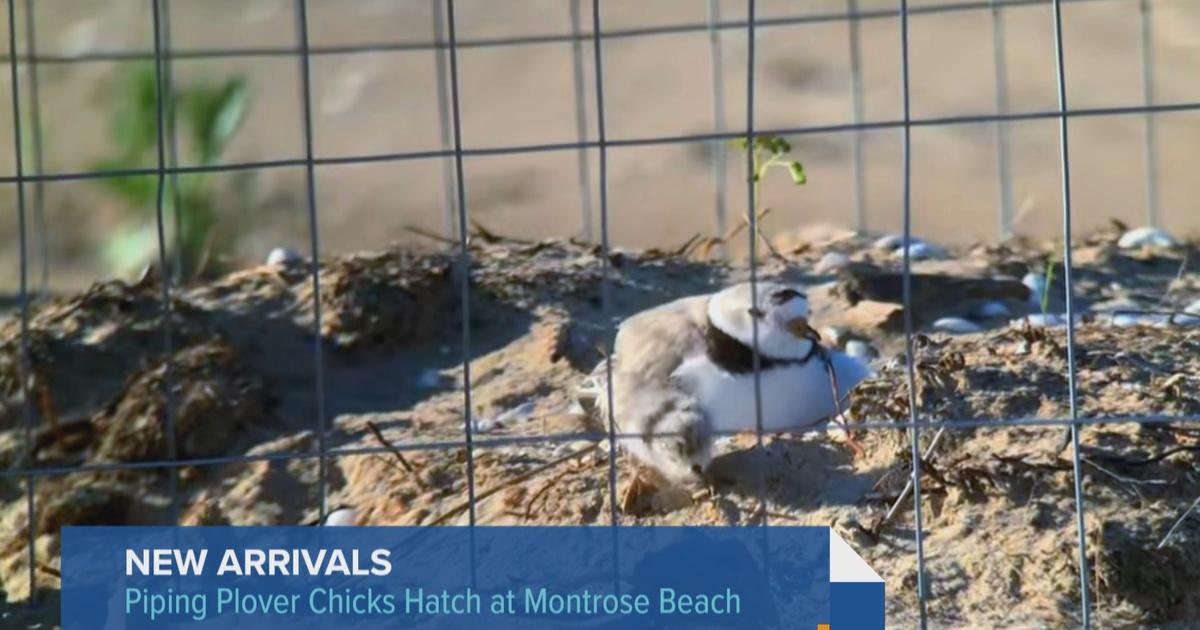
(653, 343)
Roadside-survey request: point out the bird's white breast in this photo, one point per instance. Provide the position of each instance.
(793, 396)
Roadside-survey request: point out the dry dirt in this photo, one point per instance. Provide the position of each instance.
(1000, 531)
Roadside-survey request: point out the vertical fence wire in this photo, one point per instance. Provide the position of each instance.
(310, 182)
(26, 371)
(161, 96)
(168, 81)
(581, 126)
(449, 224)
(1001, 130)
(464, 259)
(35, 148)
(856, 102)
(1072, 391)
(752, 220)
(606, 280)
(910, 356)
(719, 150)
(1146, 41)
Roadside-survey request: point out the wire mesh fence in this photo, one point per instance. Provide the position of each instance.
(31, 175)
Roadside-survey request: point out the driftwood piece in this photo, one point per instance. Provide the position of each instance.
(933, 295)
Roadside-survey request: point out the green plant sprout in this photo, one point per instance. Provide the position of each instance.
(1045, 302)
(210, 114)
(769, 152)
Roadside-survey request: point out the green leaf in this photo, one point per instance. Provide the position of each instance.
(213, 114)
(130, 248)
(799, 177)
(136, 190)
(134, 122)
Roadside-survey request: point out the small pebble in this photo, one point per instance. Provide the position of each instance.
(833, 335)
(1037, 286)
(831, 262)
(956, 325)
(283, 256)
(1187, 320)
(993, 309)
(344, 517)
(509, 417)
(517, 414)
(1044, 320)
(430, 379)
(920, 251)
(1125, 320)
(1146, 237)
(891, 242)
(860, 350)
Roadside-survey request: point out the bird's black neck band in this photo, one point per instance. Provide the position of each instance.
(733, 356)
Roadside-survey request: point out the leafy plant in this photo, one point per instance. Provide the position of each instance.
(769, 152)
(209, 115)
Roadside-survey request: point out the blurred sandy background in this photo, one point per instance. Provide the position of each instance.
(382, 103)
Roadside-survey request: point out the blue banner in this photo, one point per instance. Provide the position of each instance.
(451, 577)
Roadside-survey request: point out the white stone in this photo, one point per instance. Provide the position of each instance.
(831, 262)
(283, 256)
(832, 335)
(1126, 320)
(860, 350)
(518, 414)
(1146, 237)
(1037, 286)
(1193, 308)
(920, 251)
(1187, 320)
(890, 242)
(344, 517)
(429, 379)
(956, 325)
(993, 309)
(1044, 320)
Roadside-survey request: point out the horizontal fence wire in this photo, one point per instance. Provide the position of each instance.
(494, 42)
(612, 143)
(559, 438)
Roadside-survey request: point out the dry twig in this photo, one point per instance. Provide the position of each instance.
(399, 455)
(462, 506)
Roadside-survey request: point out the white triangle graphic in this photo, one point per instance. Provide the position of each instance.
(845, 565)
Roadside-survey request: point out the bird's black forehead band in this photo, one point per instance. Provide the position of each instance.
(784, 295)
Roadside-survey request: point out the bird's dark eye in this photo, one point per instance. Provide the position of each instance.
(785, 295)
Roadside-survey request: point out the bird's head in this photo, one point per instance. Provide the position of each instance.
(781, 313)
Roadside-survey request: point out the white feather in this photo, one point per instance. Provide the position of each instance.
(793, 397)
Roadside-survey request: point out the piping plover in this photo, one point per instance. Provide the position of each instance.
(683, 372)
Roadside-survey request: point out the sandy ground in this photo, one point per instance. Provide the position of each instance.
(999, 503)
(379, 103)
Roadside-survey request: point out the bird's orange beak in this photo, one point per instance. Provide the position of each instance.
(800, 328)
